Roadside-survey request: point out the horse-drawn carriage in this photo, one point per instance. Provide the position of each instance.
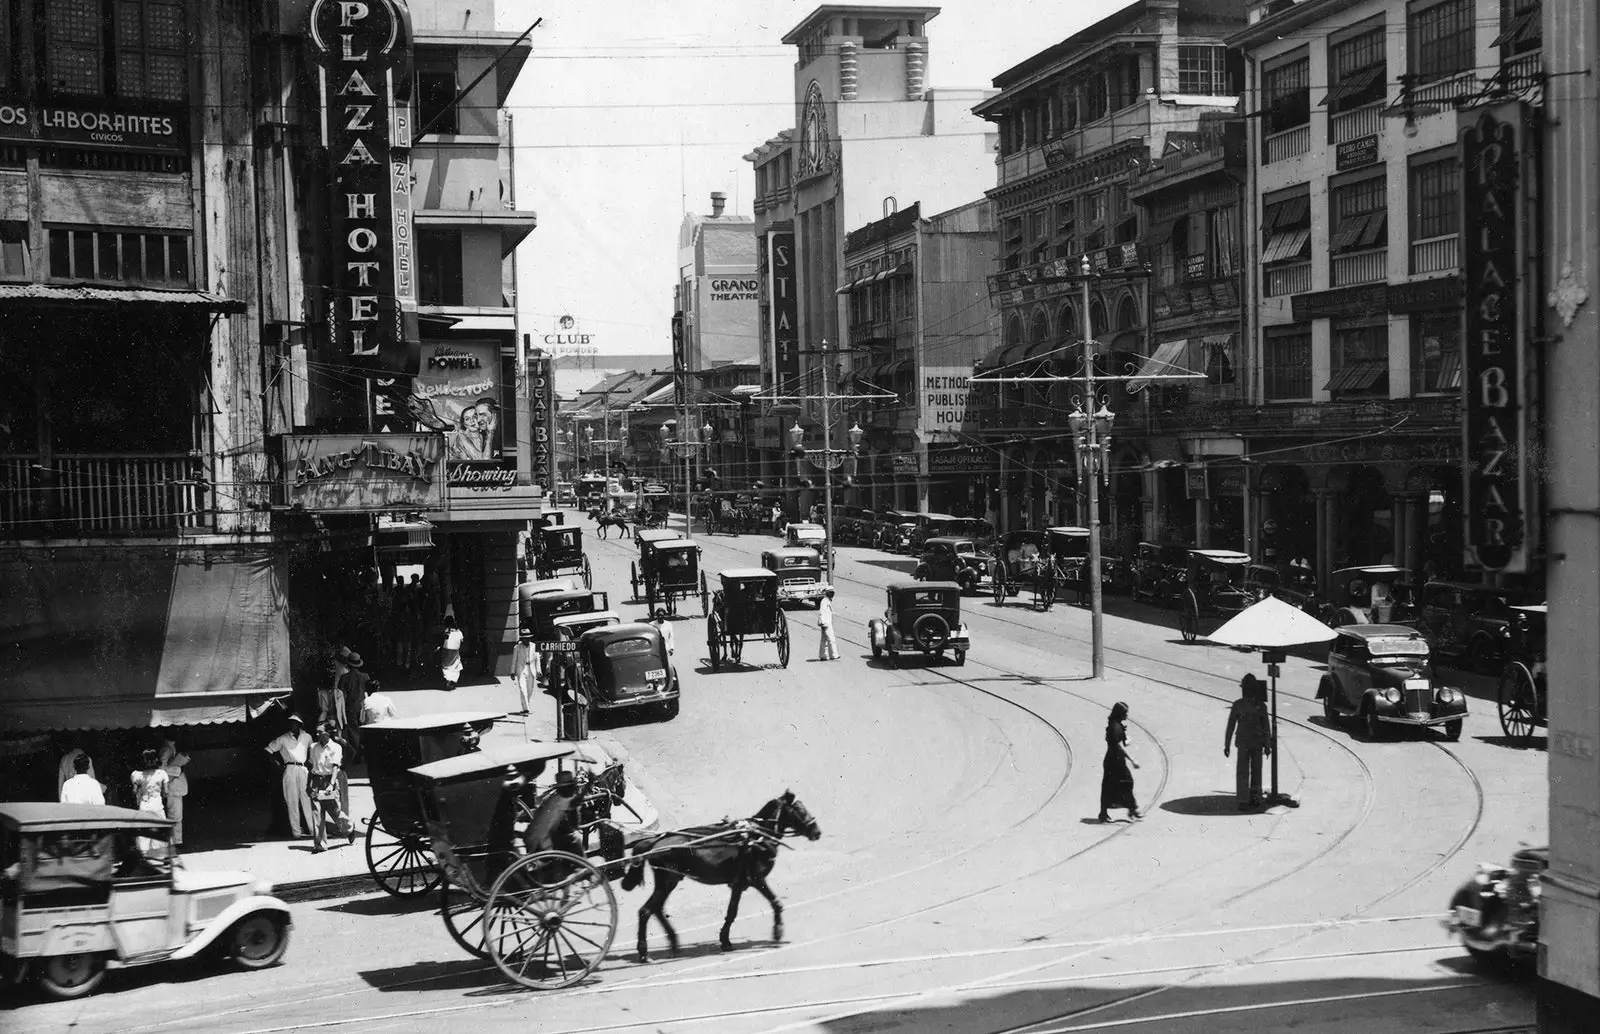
(559, 548)
(1523, 694)
(1024, 560)
(748, 606)
(1215, 588)
(668, 570)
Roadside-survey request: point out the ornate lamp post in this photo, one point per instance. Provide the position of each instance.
(830, 460)
(1093, 439)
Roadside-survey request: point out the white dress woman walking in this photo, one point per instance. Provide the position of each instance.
(450, 652)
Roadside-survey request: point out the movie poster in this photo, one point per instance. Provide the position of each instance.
(461, 385)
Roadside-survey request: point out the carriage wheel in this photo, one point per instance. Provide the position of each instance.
(550, 920)
(403, 865)
(783, 640)
(1189, 619)
(705, 597)
(999, 583)
(588, 574)
(463, 918)
(1516, 700)
(714, 641)
(633, 577)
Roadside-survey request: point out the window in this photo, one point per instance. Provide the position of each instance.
(1223, 240)
(439, 267)
(1286, 94)
(436, 94)
(1094, 97)
(1286, 227)
(74, 51)
(1094, 208)
(1203, 71)
(1037, 225)
(1360, 358)
(1359, 71)
(151, 51)
(119, 256)
(1436, 352)
(1011, 242)
(135, 49)
(1359, 218)
(1435, 198)
(14, 250)
(1441, 39)
(1519, 28)
(1066, 218)
(1288, 363)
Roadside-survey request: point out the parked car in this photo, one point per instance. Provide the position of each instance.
(1295, 585)
(1380, 677)
(953, 560)
(1468, 621)
(852, 525)
(614, 667)
(931, 525)
(799, 571)
(1371, 594)
(921, 617)
(1159, 572)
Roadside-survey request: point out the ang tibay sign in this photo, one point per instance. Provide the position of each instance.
(329, 473)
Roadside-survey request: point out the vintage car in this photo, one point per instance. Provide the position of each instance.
(592, 491)
(932, 525)
(566, 495)
(614, 667)
(949, 559)
(921, 617)
(1380, 676)
(806, 534)
(852, 525)
(538, 611)
(895, 528)
(799, 571)
(1369, 594)
(1296, 586)
(1496, 913)
(746, 607)
(1471, 622)
(86, 887)
(1159, 572)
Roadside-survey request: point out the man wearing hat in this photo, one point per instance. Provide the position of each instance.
(353, 684)
(1250, 729)
(554, 826)
(290, 752)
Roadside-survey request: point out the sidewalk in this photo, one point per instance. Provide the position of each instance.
(234, 828)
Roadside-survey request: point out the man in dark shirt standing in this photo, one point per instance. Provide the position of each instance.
(1250, 729)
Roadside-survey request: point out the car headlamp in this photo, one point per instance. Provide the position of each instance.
(1392, 695)
(1449, 695)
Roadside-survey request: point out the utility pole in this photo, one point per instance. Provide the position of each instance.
(1097, 646)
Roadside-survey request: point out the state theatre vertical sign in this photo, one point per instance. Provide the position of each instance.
(1494, 386)
(362, 52)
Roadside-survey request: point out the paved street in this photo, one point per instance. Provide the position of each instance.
(961, 882)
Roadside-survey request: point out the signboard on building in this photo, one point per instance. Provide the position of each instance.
(567, 338)
(542, 398)
(460, 383)
(724, 323)
(942, 395)
(958, 461)
(362, 54)
(1376, 299)
(101, 123)
(903, 463)
(1494, 411)
(334, 473)
(1356, 154)
(784, 313)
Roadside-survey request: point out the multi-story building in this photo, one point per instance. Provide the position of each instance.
(918, 303)
(1354, 278)
(1076, 121)
(777, 302)
(869, 129)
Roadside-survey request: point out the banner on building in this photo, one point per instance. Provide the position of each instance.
(784, 313)
(362, 53)
(102, 123)
(727, 320)
(333, 473)
(1494, 385)
(942, 392)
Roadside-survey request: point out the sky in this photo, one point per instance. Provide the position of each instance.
(630, 112)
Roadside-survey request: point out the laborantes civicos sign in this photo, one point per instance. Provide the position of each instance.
(362, 52)
(114, 125)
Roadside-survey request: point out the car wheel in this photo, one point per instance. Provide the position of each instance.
(1480, 654)
(877, 641)
(1452, 730)
(71, 976)
(258, 941)
(1371, 728)
(669, 710)
(961, 657)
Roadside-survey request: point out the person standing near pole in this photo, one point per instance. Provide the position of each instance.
(1249, 729)
(828, 647)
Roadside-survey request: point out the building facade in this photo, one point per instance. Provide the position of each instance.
(1077, 121)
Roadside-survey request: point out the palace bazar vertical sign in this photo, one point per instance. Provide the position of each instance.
(362, 52)
(785, 313)
(1493, 403)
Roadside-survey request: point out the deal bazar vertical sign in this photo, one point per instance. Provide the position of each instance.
(1494, 388)
(541, 387)
(362, 53)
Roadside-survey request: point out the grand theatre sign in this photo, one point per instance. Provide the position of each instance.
(362, 51)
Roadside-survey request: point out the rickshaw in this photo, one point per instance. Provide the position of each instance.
(620, 665)
(746, 607)
(1375, 593)
(1523, 693)
(1024, 559)
(85, 887)
(799, 572)
(669, 570)
(1159, 572)
(592, 491)
(561, 549)
(924, 617)
(399, 850)
(1214, 589)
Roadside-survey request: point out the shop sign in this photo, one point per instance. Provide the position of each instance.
(733, 288)
(362, 52)
(901, 463)
(1356, 154)
(541, 393)
(360, 473)
(1401, 452)
(1426, 295)
(943, 395)
(784, 310)
(113, 125)
(1365, 300)
(1493, 408)
(957, 461)
(1196, 481)
(460, 383)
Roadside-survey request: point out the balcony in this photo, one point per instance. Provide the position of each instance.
(1436, 255)
(455, 177)
(1444, 93)
(1523, 72)
(1355, 124)
(1233, 414)
(85, 494)
(1288, 144)
(1281, 280)
(1361, 267)
(1125, 124)
(872, 332)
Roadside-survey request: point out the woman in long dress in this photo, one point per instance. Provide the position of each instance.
(450, 652)
(150, 782)
(1116, 784)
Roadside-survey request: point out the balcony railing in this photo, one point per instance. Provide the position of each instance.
(1353, 125)
(1436, 255)
(101, 494)
(1523, 71)
(1018, 418)
(1445, 92)
(1288, 144)
(1361, 267)
(1281, 280)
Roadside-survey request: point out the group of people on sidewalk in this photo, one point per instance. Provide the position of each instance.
(158, 786)
(1249, 731)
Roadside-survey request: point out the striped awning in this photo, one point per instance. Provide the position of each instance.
(1354, 83)
(1357, 376)
(1167, 359)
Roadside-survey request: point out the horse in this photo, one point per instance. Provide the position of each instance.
(739, 854)
(617, 520)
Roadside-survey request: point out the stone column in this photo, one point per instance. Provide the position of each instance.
(1323, 556)
(1202, 523)
(847, 70)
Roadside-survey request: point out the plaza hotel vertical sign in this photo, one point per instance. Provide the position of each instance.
(362, 50)
(1496, 434)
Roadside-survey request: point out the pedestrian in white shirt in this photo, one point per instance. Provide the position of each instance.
(660, 621)
(325, 758)
(378, 706)
(82, 788)
(828, 648)
(290, 751)
(523, 659)
(65, 769)
(450, 652)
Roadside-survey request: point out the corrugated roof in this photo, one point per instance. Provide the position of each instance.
(82, 294)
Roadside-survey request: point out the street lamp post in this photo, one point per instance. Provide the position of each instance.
(831, 460)
(1089, 431)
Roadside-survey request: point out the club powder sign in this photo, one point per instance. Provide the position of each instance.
(362, 52)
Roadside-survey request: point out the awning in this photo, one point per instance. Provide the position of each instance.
(500, 324)
(1285, 246)
(73, 294)
(1450, 372)
(1354, 83)
(103, 639)
(1164, 361)
(1357, 376)
(1289, 212)
(1001, 358)
(1524, 26)
(880, 373)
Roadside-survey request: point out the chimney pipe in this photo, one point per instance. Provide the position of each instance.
(718, 201)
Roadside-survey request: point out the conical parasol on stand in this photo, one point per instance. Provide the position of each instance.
(1271, 626)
